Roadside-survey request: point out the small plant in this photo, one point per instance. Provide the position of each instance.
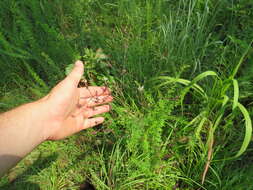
(96, 67)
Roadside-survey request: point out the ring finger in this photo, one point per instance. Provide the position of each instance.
(90, 112)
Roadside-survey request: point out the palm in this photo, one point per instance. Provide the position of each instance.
(74, 107)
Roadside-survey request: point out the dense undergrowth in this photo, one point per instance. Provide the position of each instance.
(181, 73)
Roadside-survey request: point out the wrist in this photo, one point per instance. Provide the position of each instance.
(48, 120)
(37, 117)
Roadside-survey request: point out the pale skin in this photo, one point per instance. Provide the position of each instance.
(66, 110)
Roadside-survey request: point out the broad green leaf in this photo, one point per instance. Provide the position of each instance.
(248, 130)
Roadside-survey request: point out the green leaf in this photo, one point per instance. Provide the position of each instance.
(194, 81)
(199, 128)
(169, 80)
(68, 69)
(203, 75)
(248, 130)
(221, 112)
(241, 60)
(236, 93)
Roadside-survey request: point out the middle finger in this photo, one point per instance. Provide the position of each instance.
(94, 101)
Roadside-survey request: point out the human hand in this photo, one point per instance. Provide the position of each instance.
(71, 109)
(66, 110)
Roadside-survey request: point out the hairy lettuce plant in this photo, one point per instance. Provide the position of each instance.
(96, 67)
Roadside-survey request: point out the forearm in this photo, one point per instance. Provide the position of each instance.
(21, 130)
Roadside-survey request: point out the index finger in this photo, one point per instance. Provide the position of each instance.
(90, 91)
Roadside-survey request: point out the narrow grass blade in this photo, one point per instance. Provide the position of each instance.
(225, 101)
(189, 180)
(199, 128)
(194, 81)
(195, 86)
(216, 175)
(221, 112)
(193, 121)
(248, 130)
(241, 60)
(169, 80)
(204, 75)
(236, 93)
(210, 139)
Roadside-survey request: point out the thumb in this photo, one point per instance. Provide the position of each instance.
(76, 74)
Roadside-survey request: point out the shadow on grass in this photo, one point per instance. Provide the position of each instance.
(21, 181)
(86, 184)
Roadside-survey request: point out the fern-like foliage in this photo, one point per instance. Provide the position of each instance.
(33, 49)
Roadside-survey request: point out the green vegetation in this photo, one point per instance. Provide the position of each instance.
(181, 73)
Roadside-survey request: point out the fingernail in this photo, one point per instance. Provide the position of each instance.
(100, 120)
(78, 63)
